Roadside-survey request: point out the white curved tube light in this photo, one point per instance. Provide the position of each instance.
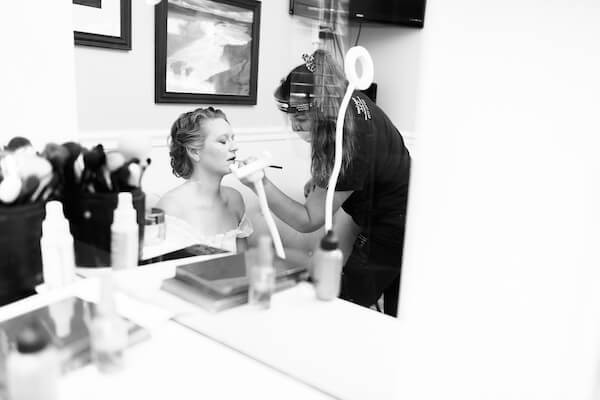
(254, 173)
(355, 56)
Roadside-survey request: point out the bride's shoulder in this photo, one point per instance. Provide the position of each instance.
(234, 200)
(173, 200)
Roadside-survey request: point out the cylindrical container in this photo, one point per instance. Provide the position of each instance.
(33, 369)
(124, 245)
(90, 216)
(327, 270)
(262, 275)
(57, 247)
(20, 254)
(155, 229)
(108, 331)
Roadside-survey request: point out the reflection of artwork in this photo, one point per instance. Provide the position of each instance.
(102, 23)
(89, 3)
(207, 51)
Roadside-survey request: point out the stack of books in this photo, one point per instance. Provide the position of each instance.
(222, 283)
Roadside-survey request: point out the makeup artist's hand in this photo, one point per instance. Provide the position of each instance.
(309, 186)
(252, 177)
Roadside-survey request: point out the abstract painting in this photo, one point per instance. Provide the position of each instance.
(206, 51)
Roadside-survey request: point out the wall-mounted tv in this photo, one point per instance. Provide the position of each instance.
(396, 12)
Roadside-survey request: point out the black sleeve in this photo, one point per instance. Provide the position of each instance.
(356, 174)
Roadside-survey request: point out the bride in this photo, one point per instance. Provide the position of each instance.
(202, 147)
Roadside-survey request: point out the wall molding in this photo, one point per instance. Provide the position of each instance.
(109, 138)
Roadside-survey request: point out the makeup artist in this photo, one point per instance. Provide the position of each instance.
(373, 184)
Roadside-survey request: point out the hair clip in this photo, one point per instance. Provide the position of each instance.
(309, 60)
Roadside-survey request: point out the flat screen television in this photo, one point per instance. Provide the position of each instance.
(398, 12)
(395, 12)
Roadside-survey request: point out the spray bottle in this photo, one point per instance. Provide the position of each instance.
(262, 275)
(57, 248)
(108, 331)
(124, 246)
(33, 368)
(327, 270)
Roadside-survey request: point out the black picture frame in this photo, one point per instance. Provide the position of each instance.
(89, 3)
(121, 42)
(238, 82)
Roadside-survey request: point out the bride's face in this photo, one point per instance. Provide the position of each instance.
(220, 148)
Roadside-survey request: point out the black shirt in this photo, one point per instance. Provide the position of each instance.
(379, 172)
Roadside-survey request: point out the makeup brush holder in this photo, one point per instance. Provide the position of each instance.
(90, 217)
(20, 252)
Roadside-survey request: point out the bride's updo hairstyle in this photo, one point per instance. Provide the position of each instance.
(187, 133)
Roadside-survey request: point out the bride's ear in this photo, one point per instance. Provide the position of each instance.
(193, 154)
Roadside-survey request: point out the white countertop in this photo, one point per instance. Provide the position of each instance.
(300, 348)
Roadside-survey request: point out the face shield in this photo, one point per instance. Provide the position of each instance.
(298, 123)
(294, 98)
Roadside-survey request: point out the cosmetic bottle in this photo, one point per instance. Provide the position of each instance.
(4, 351)
(327, 268)
(58, 257)
(262, 275)
(33, 367)
(124, 245)
(108, 331)
(62, 313)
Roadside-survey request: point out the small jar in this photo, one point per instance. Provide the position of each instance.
(155, 229)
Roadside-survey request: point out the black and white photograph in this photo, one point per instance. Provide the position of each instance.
(207, 51)
(102, 23)
(300, 200)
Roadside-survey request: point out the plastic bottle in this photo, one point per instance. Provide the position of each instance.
(4, 351)
(124, 245)
(58, 257)
(262, 275)
(108, 331)
(62, 313)
(327, 268)
(33, 368)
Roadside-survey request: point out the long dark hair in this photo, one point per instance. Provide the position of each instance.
(317, 88)
(329, 88)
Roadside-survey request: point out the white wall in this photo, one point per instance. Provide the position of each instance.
(36, 72)
(500, 289)
(115, 89)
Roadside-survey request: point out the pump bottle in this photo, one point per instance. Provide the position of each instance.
(33, 368)
(262, 275)
(58, 257)
(108, 331)
(124, 246)
(327, 269)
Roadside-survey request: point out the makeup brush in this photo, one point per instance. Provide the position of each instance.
(10, 187)
(19, 143)
(93, 175)
(137, 146)
(28, 188)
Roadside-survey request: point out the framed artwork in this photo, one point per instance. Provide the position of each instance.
(102, 23)
(206, 51)
(89, 3)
